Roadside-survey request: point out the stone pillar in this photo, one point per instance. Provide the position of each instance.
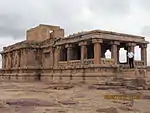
(69, 51)
(10, 60)
(83, 51)
(57, 55)
(118, 62)
(15, 59)
(8, 63)
(25, 55)
(114, 50)
(19, 58)
(131, 47)
(6, 60)
(144, 53)
(3, 60)
(97, 50)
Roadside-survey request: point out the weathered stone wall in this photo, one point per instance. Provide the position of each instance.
(43, 32)
(23, 57)
(89, 74)
(47, 57)
(18, 74)
(148, 73)
(33, 59)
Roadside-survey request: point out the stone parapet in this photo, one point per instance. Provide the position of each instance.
(138, 63)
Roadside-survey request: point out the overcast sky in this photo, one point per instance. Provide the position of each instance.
(126, 16)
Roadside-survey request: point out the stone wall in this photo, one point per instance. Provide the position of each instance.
(90, 75)
(148, 72)
(43, 32)
(47, 57)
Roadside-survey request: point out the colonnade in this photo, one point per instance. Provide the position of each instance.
(98, 50)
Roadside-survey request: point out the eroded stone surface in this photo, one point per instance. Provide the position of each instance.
(107, 110)
(30, 102)
(36, 97)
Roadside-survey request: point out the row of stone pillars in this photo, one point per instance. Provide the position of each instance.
(114, 50)
(97, 50)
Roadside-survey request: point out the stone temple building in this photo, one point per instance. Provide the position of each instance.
(47, 54)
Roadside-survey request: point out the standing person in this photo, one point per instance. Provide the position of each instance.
(131, 59)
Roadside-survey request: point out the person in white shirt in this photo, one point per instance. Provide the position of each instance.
(131, 59)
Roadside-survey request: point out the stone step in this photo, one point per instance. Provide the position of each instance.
(104, 87)
(115, 83)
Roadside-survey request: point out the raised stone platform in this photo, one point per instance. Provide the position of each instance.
(87, 75)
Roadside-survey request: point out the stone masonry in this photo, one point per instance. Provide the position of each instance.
(47, 54)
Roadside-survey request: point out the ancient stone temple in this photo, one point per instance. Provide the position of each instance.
(47, 54)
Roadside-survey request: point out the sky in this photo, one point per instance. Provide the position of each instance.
(125, 16)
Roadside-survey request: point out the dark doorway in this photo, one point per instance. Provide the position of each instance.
(63, 54)
(76, 55)
(90, 51)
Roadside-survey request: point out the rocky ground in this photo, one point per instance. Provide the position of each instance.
(40, 97)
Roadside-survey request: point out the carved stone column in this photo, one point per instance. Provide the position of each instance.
(144, 53)
(11, 59)
(114, 51)
(118, 48)
(57, 55)
(69, 51)
(97, 50)
(8, 65)
(131, 47)
(6, 60)
(3, 60)
(25, 56)
(83, 51)
(19, 58)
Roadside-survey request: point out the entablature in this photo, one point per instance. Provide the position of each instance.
(108, 37)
